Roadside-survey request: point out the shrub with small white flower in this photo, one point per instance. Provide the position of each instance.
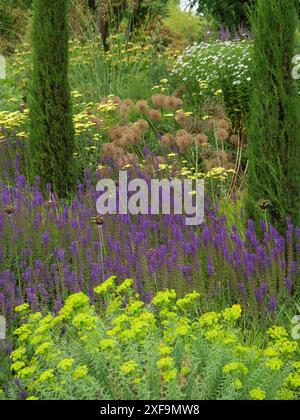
(218, 69)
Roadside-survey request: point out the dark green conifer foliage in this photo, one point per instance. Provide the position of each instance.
(274, 129)
(52, 130)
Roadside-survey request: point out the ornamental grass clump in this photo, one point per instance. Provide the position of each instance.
(121, 348)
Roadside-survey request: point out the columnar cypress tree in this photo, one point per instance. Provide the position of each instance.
(274, 132)
(52, 131)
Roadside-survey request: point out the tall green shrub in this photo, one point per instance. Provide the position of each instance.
(52, 131)
(274, 131)
(227, 12)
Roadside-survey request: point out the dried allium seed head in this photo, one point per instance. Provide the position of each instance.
(142, 125)
(128, 139)
(178, 103)
(180, 118)
(169, 103)
(9, 209)
(223, 124)
(211, 123)
(142, 107)
(137, 134)
(116, 100)
(184, 143)
(107, 150)
(155, 115)
(98, 220)
(128, 102)
(158, 100)
(222, 134)
(201, 139)
(49, 203)
(110, 150)
(207, 152)
(121, 162)
(168, 140)
(234, 140)
(223, 156)
(124, 110)
(264, 204)
(195, 125)
(182, 133)
(117, 132)
(117, 152)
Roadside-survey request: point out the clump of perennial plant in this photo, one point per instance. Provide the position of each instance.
(168, 349)
(218, 69)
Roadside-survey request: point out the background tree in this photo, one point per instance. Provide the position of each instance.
(230, 13)
(274, 132)
(52, 132)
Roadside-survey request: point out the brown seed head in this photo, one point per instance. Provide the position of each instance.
(155, 115)
(158, 100)
(142, 107)
(222, 134)
(201, 139)
(98, 220)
